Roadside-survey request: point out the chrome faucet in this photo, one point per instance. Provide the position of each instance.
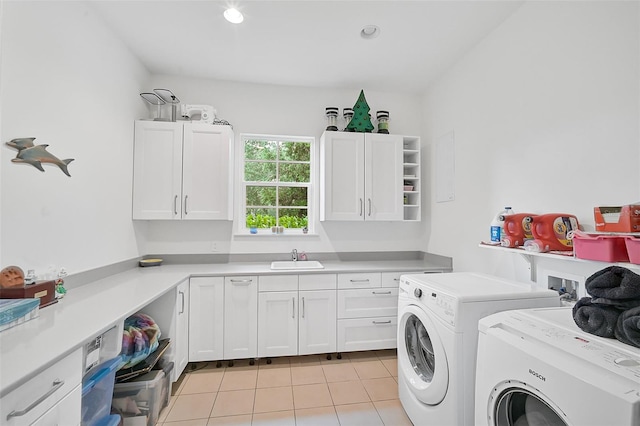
(294, 255)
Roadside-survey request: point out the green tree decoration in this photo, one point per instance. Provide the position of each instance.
(361, 121)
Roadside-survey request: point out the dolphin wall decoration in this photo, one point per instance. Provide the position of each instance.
(36, 155)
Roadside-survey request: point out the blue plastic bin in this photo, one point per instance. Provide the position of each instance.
(97, 392)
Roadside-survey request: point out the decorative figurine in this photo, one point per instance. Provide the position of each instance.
(36, 155)
(11, 276)
(361, 121)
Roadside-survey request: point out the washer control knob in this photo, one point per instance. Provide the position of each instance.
(417, 293)
(626, 362)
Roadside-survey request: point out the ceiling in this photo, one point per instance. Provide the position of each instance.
(305, 42)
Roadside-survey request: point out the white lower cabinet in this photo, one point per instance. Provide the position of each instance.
(296, 322)
(367, 311)
(361, 334)
(181, 338)
(317, 324)
(278, 323)
(240, 317)
(65, 412)
(206, 319)
(52, 397)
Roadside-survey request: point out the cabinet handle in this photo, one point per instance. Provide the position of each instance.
(360, 207)
(360, 281)
(182, 295)
(175, 205)
(382, 322)
(57, 384)
(396, 279)
(293, 311)
(241, 282)
(369, 206)
(381, 292)
(185, 205)
(302, 306)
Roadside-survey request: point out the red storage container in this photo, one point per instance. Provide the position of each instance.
(605, 248)
(633, 249)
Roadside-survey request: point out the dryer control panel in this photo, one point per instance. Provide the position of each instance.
(442, 305)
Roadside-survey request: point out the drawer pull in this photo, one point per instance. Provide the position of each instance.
(360, 281)
(293, 311)
(302, 306)
(57, 384)
(382, 322)
(381, 292)
(396, 279)
(241, 282)
(175, 205)
(182, 308)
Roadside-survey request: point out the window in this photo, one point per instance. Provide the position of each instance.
(277, 183)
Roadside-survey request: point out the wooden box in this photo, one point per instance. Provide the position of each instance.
(44, 290)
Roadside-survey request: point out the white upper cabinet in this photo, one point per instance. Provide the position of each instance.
(182, 170)
(361, 176)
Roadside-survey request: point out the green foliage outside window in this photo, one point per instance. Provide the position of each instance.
(277, 175)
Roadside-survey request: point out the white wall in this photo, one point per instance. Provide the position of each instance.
(280, 110)
(545, 112)
(66, 80)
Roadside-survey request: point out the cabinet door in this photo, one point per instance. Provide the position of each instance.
(206, 172)
(240, 317)
(206, 318)
(317, 324)
(278, 323)
(342, 176)
(181, 338)
(383, 177)
(157, 170)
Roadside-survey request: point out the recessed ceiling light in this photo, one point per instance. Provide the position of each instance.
(369, 31)
(233, 15)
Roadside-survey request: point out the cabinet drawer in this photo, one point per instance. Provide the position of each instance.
(43, 391)
(367, 334)
(66, 412)
(376, 302)
(392, 279)
(278, 283)
(318, 282)
(364, 280)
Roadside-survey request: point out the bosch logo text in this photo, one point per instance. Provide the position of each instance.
(538, 375)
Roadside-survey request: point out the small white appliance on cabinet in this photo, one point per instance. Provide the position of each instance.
(535, 366)
(438, 334)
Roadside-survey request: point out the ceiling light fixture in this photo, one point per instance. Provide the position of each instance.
(233, 15)
(369, 31)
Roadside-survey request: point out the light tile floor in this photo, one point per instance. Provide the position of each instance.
(359, 389)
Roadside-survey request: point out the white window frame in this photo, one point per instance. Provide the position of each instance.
(311, 186)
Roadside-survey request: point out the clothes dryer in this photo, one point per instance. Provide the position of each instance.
(437, 339)
(535, 366)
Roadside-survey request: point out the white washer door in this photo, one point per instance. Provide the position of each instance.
(513, 403)
(422, 359)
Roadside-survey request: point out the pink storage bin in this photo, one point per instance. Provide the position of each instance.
(633, 249)
(605, 248)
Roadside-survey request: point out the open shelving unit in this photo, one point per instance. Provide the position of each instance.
(411, 177)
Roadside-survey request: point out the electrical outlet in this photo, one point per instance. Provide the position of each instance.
(214, 246)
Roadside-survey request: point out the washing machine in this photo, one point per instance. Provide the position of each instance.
(535, 366)
(437, 339)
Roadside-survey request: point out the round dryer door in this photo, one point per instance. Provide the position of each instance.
(421, 357)
(517, 403)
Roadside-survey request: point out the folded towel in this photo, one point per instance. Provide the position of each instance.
(617, 284)
(596, 319)
(628, 327)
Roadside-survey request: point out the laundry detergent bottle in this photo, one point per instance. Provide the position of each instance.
(497, 225)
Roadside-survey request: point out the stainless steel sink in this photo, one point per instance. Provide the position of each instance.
(296, 265)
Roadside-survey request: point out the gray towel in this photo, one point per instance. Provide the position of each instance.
(616, 286)
(596, 319)
(628, 327)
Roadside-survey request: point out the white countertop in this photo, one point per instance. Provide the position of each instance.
(89, 310)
